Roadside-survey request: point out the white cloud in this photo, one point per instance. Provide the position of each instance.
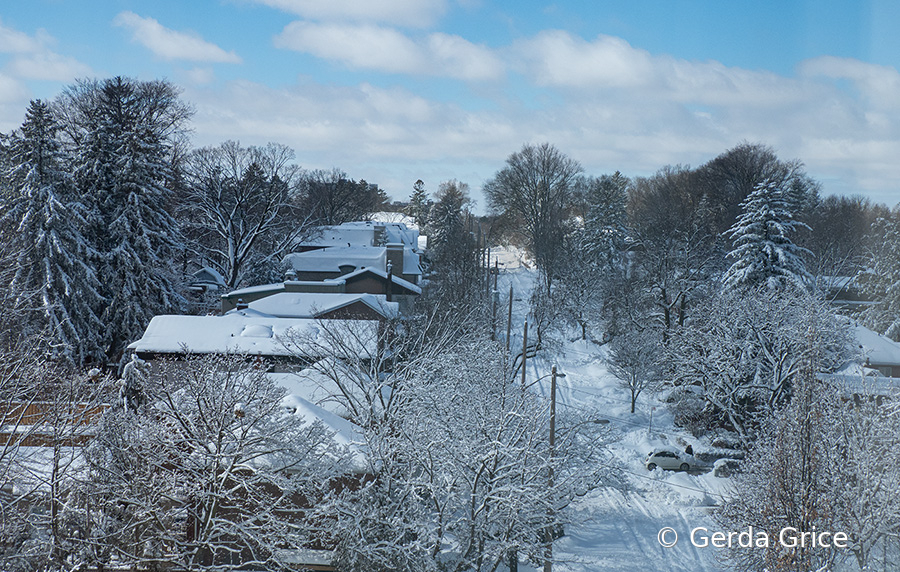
(11, 90)
(16, 42)
(31, 58)
(637, 113)
(14, 96)
(878, 85)
(410, 13)
(362, 46)
(171, 45)
(556, 58)
(198, 75)
(559, 60)
(50, 66)
(384, 49)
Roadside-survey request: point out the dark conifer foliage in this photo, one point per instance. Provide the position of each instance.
(43, 227)
(122, 135)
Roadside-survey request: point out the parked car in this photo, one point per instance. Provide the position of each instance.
(726, 467)
(670, 459)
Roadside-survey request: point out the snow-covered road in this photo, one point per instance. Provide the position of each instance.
(618, 528)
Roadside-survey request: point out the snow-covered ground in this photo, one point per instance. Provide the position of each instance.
(619, 526)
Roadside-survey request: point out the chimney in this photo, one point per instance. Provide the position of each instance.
(394, 254)
(390, 281)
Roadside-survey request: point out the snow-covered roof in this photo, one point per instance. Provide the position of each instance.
(331, 259)
(385, 217)
(394, 278)
(836, 282)
(344, 433)
(876, 349)
(855, 378)
(399, 233)
(312, 305)
(208, 275)
(256, 289)
(366, 233)
(238, 333)
(323, 304)
(411, 262)
(311, 385)
(347, 234)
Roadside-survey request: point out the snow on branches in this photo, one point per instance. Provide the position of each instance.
(763, 251)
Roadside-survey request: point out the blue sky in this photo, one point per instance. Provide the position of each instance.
(396, 90)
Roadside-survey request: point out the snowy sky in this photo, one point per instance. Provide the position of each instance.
(396, 90)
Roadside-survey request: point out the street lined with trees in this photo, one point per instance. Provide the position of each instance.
(707, 285)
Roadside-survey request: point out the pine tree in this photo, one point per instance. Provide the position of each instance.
(419, 205)
(451, 245)
(604, 223)
(124, 132)
(763, 251)
(43, 223)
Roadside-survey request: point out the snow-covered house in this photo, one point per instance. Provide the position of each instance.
(203, 290)
(207, 279)
(324, 306)
(878, 352)
(334, 262)
(843, 292)
(362, 281)
(251, 333)
(362, 233)
(875, 372)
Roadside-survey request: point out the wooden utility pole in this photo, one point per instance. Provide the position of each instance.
(548, 531)
(487, 271)
(524, 350)
(509, 320)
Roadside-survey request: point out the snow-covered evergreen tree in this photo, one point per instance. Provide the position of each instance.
(605, 220)
(43, 225)
(763, 250)
(451, 244)
(594, 257)
(123, 132)
(419, 205)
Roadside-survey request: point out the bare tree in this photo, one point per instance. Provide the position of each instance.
(837, 238)
(243, 208)
(881, 280)
(211, 472)
(331, 197)
(726, 181)
(677, 250)
(826, 463)
(634, 359)
(466, 463)
(785, 484)
(536, 188)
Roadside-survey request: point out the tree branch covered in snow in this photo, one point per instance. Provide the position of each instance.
(212, 471)
(742, 352)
